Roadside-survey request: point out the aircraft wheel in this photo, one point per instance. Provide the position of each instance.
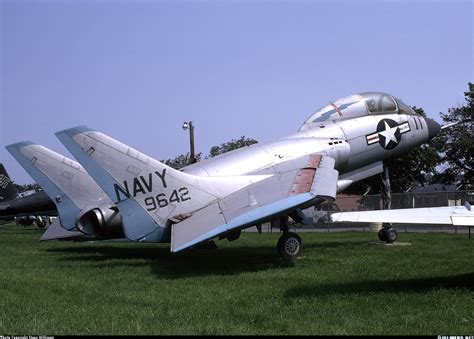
(290, 246)
(382, 234)
(41, 222)
(391, 235)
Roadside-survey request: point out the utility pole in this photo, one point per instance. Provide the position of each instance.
(189, 125)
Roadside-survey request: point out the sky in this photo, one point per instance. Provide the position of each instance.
(136, 70)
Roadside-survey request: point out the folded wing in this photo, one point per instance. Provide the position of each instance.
(259, 202)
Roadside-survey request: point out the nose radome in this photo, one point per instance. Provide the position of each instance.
(433, 128)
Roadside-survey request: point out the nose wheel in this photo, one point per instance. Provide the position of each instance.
(387, 234)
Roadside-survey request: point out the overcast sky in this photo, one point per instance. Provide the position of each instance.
(136, 70)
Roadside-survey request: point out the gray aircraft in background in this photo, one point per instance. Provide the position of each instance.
(27, 208)
(343, 142)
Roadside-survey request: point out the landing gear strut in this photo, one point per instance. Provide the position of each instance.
(290, 245)
(387, 233)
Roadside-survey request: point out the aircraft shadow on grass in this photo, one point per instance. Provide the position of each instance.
(195, 262)
(163, 264)
(416, 285)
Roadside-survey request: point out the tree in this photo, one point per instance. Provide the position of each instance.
(456, 143)
(231, 145)
(180, 161)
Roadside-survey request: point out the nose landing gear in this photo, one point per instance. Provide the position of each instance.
(387, 234)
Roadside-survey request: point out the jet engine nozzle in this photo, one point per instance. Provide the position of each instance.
(101, 223)
(433, 128)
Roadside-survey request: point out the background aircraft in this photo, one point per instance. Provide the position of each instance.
(25, 209)
(341, 143)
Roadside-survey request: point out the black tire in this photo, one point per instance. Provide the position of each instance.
(290, 246)
(391, 236)
(382, 234)
(41, 223)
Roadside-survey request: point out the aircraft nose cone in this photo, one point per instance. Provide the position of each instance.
(433, 128)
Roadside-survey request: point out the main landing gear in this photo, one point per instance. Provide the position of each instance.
(290, 245)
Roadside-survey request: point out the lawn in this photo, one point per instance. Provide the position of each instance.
(345, 283)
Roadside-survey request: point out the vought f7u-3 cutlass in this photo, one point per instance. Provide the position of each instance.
(343, 142)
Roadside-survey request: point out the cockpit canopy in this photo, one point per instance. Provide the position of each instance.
(358, 105)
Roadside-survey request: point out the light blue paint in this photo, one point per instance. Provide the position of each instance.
(251, 217)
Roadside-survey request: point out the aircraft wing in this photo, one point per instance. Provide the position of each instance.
(153, 197)
(259, 202)
(455, 215)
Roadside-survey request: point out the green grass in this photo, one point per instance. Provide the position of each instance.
(344, 284)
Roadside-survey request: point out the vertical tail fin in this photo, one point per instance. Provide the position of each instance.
(63, 180)
(147, 192)
(8, 189)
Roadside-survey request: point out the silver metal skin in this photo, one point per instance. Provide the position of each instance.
(343, 142)
(343, 138)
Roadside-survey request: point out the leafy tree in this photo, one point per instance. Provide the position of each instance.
(456, 143)
(180, 161)
(231, 145)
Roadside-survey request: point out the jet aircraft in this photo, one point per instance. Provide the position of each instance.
(341, 143)
(25, 209)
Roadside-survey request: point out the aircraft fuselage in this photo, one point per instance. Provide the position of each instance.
(353, 143)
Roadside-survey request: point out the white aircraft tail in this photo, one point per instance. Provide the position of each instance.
(132, 179)
(63, 180)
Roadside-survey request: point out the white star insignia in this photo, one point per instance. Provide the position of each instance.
(389, 134)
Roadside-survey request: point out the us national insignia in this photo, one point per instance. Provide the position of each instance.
(388, 133)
